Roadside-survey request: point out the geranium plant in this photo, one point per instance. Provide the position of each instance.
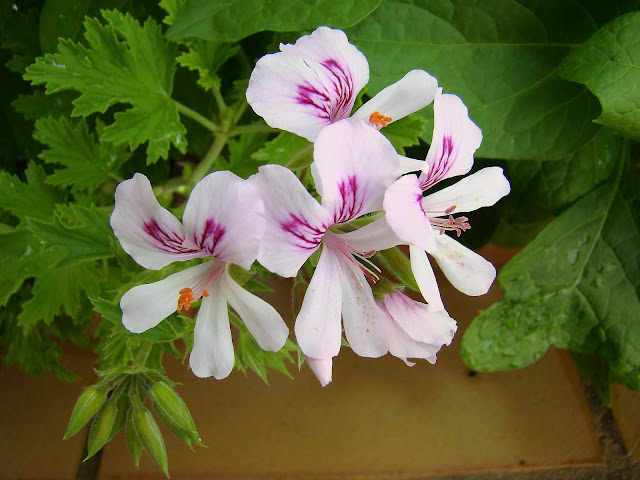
(161, 161)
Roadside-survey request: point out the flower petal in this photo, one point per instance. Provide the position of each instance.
(411, 93)
(149, 233)
(295, 222)
(353, 166)
(212, 354)
(408, 165)
(465, 269)
(309, 85)
(318, 327)
(144, 306)
(455, 140)
(405, 215)
(365, 325)
(262, 320)
(425, 278)
(377, 235)
(419, 322)
(481, 189)
(225, 218)
(322, 368)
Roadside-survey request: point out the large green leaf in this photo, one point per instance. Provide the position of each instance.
(609, 65)
(501, 57)
(138, 71)
(575, 286)
(233, 20)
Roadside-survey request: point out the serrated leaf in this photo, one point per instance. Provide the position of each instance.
(32, 198)
(87, 163)
(138, 71)
(500, 57)
(286, 149)
(228, 21)
(405, 132)
(38, 104)
(609, 65)
(206, 58)
(575, 286)
(82, 234)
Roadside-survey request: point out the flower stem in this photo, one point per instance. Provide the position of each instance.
(222, 106)
(209, 159)
(242, 129)
(143, 353)
(201, 119)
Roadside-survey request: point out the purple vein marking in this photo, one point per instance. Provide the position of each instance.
(167, 241)
(210, 236)
(335, 98)
(351, 200)
(306, 235)
(441, 167)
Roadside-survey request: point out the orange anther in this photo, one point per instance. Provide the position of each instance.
(185, 290)
(205, 293)
(378, 120)
(186, 299)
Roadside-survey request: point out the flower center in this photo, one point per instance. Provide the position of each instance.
(458, 225)
(190, 295)
(359, 259)
(378, 120)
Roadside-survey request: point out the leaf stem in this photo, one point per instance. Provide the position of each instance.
(209, 159)
(222, 106)
(242, 129)
(201, 119)
(143, 353)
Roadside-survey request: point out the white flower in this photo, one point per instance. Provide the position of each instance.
(223, 219)
(417, 219)
(314, 83)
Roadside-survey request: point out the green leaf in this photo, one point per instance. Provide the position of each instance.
(206, 58)
(59, 288)
(406, 132)
(138, 71)
(609, 65)
(82, 233)
(286, 149)
(32, 198)
(501, 57)
(229, 21)
(398, 265)
(87, 163)
(38, 104)
(541, 189)
(575, 286)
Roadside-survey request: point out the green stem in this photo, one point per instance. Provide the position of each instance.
(222, 106)
(143, 353)
(201, 119)
(241, 129)
(205, 165)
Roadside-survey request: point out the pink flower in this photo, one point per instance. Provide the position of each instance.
(223, 219)
(314, 83)
(421, 220)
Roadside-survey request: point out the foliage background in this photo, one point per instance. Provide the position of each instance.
(94, 91)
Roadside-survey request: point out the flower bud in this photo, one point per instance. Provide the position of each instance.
(174, 413)
(133, 441)
(101, 427)
(88, 404)
(150, 435)
(122, 405)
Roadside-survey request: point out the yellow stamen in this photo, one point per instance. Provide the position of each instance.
(378, 120)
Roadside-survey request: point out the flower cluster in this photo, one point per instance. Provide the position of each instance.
(309, 88)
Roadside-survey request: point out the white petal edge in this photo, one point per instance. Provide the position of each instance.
(262, 320)
(321, 368)
(465, 269)
(149, 233)
(212, 354)
(405, 215)
(411, 93)
(377, 235)
(144, 306)
(318, 327)
(425, 278)
(481, 189)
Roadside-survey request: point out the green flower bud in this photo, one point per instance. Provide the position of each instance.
(150, 435)
(133, 441)
(122, 405)
(174, 413)
(101, 428)
(88, 404)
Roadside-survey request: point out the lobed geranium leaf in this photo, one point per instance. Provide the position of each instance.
(609, 65)
(575, 286)
(228, 20)
(87, 163)
(206, 58)
(137, 71)
(287, 149)
(501, 58)
(38, 104)
(405, 132)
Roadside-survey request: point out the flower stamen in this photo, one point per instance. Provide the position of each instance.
(378, 120)
(186, 299)
(457, 225)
